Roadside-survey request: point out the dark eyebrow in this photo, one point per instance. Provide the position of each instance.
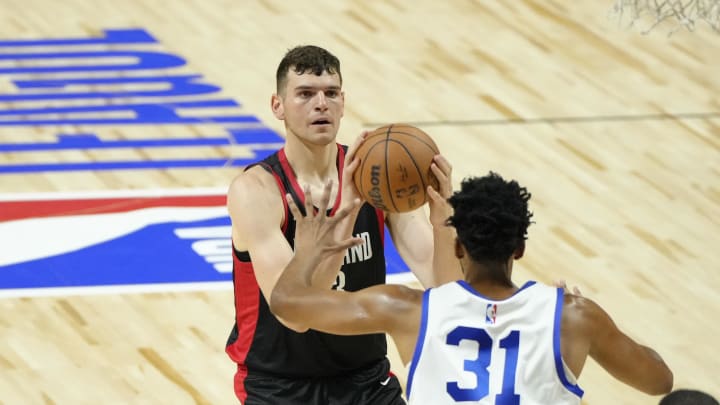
(314, 88)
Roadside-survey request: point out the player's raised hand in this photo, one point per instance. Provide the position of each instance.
(349, 191)
(314, 231)
(562, 284)
(440, 209)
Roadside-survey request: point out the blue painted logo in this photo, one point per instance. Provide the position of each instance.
(118, 88)
(137, 240)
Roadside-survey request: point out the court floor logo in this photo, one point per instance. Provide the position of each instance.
(111, 84)
(55, 244)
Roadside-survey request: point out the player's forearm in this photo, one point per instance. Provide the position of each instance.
(293, 284)
(327, 271)
(656, 378)
(636, 365)
(446, 267)
(344, 229)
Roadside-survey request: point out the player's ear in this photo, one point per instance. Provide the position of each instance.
(519, 251)
(277, 106)
(459, 250)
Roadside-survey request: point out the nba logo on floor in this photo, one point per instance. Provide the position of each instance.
(123, 242)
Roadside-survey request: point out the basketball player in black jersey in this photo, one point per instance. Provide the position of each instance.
(285, 363)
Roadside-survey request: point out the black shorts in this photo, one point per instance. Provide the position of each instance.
(374, 385)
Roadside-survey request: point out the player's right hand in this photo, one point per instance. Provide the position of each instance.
(349, 191)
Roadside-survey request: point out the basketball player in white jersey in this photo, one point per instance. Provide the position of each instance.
(480, 340)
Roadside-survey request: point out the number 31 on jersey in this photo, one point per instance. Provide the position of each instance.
(479, 366)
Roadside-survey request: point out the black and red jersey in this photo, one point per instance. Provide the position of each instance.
(259, 343)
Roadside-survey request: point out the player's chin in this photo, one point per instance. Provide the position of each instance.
(322, 134)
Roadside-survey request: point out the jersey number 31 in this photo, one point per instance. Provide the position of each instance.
(479, 366)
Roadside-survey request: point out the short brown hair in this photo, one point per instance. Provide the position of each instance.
(306, 58)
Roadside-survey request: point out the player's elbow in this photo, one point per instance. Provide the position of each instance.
(664, 383)
(655, 381)
(662, 380)
(281, 305)
(295, 327)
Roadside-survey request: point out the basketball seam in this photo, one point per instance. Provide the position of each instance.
(412, 159)
(391, 129)
(362, 167)
(434, 149)
(387, 167)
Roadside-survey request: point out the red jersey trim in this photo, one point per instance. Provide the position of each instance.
(247, 310)
(290, 173)
(381, 224)
(13, 210)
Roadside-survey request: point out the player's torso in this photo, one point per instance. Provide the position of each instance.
(276, 349)
(481, 351)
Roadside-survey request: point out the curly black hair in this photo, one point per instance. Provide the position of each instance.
(306, 58)
(491, 217)
(688, 397)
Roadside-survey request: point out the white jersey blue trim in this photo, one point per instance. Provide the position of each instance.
(464, 284)
(574, 388)
(420, 340)
(472, 349)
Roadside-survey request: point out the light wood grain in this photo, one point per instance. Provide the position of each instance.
(628, 209)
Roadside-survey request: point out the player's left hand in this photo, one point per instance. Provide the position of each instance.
(440, 209)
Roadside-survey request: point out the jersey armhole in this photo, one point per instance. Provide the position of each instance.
(281, 188)
(557, 353)
(420, 341)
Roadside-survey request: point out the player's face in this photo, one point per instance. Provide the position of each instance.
(311, 106)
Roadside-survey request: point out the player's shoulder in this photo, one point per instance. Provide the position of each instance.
(255, 179)
(582, 312)
(256, 187)
(579, 303)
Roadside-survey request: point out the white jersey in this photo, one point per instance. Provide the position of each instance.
(473, 350)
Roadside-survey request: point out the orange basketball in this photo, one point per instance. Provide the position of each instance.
(394, 167)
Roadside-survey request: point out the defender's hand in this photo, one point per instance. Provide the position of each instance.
(314, 231)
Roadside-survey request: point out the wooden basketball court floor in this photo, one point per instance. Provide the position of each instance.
(615, 133)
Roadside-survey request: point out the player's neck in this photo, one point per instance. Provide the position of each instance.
(493, 289)
(491, 280)
(312, 163)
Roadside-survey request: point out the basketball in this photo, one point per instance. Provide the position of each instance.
(394, 169)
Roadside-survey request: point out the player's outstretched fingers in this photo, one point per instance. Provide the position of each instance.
(345, 211)
(308, 201)
(325, 199)
(347, 244)
(293, 207)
